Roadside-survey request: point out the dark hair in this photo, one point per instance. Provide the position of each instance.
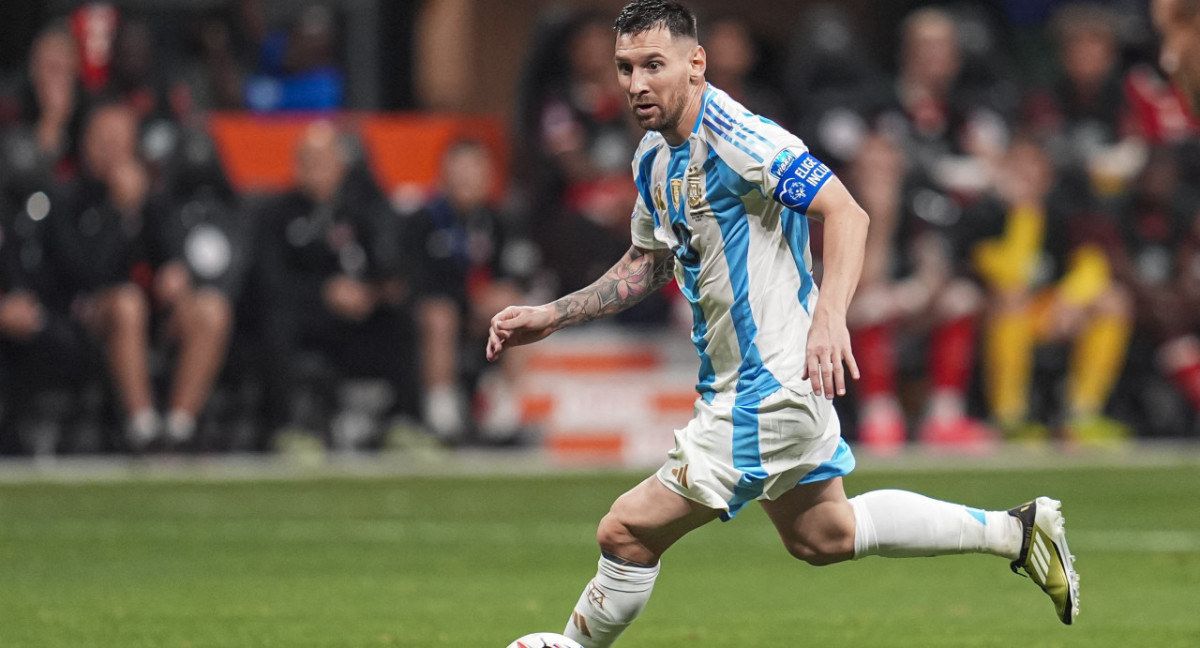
(643, 15)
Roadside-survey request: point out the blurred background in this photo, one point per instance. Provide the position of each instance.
(240, 226)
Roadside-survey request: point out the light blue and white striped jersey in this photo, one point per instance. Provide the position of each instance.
(730, 204)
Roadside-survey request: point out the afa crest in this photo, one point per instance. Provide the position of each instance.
(695, 194)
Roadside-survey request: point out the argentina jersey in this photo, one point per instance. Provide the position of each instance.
(730, 203)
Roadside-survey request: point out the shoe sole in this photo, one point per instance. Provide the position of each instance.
(1049, 518)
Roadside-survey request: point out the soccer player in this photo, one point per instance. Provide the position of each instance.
(722, 200)
(1179, 23)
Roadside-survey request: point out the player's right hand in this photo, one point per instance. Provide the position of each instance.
(517, 325)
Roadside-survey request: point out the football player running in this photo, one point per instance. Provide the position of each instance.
(723, 201)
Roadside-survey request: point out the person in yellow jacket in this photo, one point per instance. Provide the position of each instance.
(1048, 275)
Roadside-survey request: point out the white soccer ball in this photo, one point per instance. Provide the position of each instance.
(544, 640)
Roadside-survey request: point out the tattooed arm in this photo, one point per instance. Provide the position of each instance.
(638, 273)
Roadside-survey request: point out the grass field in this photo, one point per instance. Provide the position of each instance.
(474, 562)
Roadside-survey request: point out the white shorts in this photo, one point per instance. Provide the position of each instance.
(735, 451)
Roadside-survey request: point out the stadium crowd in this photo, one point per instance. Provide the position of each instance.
(1033, 266)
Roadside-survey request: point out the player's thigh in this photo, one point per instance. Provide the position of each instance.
(654, 516)
(816, 515)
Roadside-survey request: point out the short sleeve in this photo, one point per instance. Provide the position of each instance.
(642, 226)
(794, 176)
(644, 219)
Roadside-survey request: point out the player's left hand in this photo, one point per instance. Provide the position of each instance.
(828, 354)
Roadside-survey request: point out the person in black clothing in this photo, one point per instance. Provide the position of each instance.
(42, 348)
(94, 243)
(1156, 253)
(948, 126)
(471, 265)
(42, 147)
(102, 242)
(330, 279)
(53, 106)
(198, 243)
(1085, 117)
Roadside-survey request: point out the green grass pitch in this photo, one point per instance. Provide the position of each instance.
(475, 562)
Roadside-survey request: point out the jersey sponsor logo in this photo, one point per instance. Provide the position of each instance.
(660, 198)
(800, 181)
(782, 162)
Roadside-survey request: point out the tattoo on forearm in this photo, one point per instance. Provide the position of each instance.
(628, 282)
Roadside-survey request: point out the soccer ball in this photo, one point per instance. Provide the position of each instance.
(544, 640)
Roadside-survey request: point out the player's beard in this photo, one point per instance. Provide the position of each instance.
(667, 117)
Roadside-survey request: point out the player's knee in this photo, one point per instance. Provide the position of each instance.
(613, 536)
(616, 539)
(824, 547)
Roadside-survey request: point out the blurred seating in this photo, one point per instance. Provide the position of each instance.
(937, 120)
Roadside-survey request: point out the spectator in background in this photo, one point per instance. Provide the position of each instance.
(586, 140)
(1045, 263)
(471, 265)
(223, 47)
(103, 245)
(45, 349)
(93, 25)
(331, 280)
(200, 247)
(94, 243)
(41, 346)
(135, 64)
(43, 148)
(1085, 117)
(299, 70)
(1177, 22)
(948, 133)
(139, 78)
(1157, 254)
(220, 56)
(831, 85)
(911, 287)
(733, 55)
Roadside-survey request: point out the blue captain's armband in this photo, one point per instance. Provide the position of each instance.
(800, 178)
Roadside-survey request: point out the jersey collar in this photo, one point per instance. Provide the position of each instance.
(708, 94)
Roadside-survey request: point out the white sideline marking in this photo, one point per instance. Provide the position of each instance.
(1149, 541)
(400, 532)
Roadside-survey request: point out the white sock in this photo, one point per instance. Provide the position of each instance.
(900, 524)
(610, 602)
(142, 427)
(180, 426)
